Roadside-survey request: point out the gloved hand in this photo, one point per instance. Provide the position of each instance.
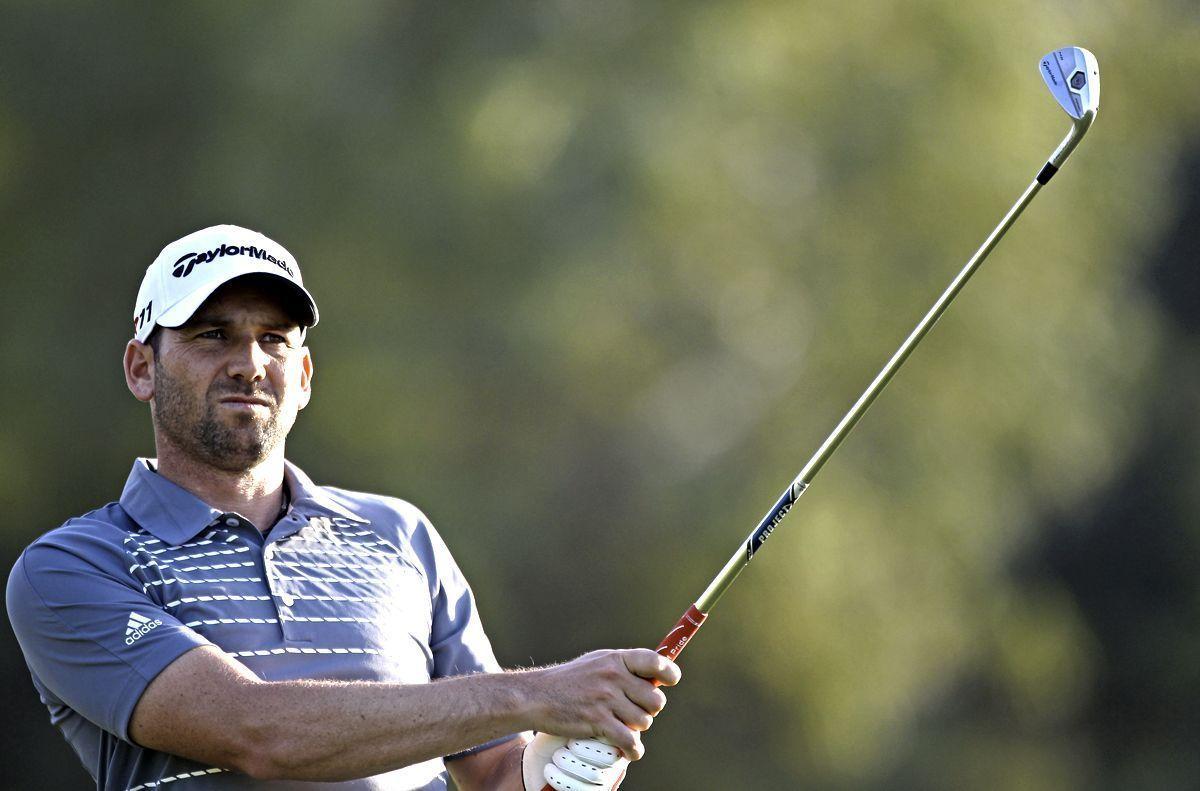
(575, 765)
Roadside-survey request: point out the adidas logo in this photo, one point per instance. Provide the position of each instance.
(138, 625)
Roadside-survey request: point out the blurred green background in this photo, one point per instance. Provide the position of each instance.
(596, 278)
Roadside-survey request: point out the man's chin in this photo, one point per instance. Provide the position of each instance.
(239, 447)
(237, 460)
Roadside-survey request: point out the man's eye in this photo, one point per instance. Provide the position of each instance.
(273, 338)
(212, 334)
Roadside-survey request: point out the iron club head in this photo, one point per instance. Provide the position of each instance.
(1073, 77)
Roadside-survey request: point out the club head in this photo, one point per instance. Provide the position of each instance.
(1072, 75)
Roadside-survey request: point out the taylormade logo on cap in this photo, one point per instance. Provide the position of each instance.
(187, 261)
(190, 269)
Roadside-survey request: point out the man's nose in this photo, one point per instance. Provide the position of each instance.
(248, 361)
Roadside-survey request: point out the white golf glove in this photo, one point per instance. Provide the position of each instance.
(575, 765)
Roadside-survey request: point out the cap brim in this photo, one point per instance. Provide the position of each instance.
(179, 313)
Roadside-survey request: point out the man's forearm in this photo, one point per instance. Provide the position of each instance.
(210, 708)
(326, 730)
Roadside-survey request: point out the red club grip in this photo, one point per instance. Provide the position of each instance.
(677, 639)
(673, 644)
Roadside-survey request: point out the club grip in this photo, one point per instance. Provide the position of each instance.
(677, 639)
(673, 644)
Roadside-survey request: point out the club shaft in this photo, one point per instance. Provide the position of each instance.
(686, 627)
(689, 623)
(677, 639)
(797, 487)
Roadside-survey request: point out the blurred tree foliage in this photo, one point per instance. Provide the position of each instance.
(596, 278)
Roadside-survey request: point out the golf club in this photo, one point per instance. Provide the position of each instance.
(1073, 77)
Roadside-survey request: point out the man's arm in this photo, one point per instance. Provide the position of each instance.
(210, 708)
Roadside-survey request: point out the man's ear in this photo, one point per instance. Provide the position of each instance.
(306, 377)
(139, 369)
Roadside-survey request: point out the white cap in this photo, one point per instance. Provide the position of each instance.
(189, 270)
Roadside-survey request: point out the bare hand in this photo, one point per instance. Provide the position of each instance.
(609, 695)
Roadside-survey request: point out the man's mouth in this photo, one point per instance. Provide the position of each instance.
(246, 401)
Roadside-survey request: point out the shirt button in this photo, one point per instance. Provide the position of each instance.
(288, 599)
(231, 522)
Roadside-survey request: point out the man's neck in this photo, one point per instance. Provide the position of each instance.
(256, 493)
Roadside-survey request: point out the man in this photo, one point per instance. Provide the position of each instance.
(230, 624)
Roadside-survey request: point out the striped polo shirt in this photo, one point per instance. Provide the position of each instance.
(346, 586)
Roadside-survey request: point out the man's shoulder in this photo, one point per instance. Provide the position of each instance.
(108, 524)
(378, 509)
(96, 540)
(353, 499)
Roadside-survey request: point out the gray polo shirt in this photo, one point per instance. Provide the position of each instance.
(345, 586)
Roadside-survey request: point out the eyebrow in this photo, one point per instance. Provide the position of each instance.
(217, 320)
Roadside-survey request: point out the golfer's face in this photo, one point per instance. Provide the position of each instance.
(230, 382)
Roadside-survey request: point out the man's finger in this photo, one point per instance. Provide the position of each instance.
(647, 664)
(648, 697)
(632, 715)
(627, 741)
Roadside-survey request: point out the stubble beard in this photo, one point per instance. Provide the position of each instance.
(194, 426)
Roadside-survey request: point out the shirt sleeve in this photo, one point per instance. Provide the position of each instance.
(457, 639)
(89, 632)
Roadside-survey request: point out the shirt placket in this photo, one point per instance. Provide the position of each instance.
(284, 591)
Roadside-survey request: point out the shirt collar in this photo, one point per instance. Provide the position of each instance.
(308, 499)
(174, 515)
